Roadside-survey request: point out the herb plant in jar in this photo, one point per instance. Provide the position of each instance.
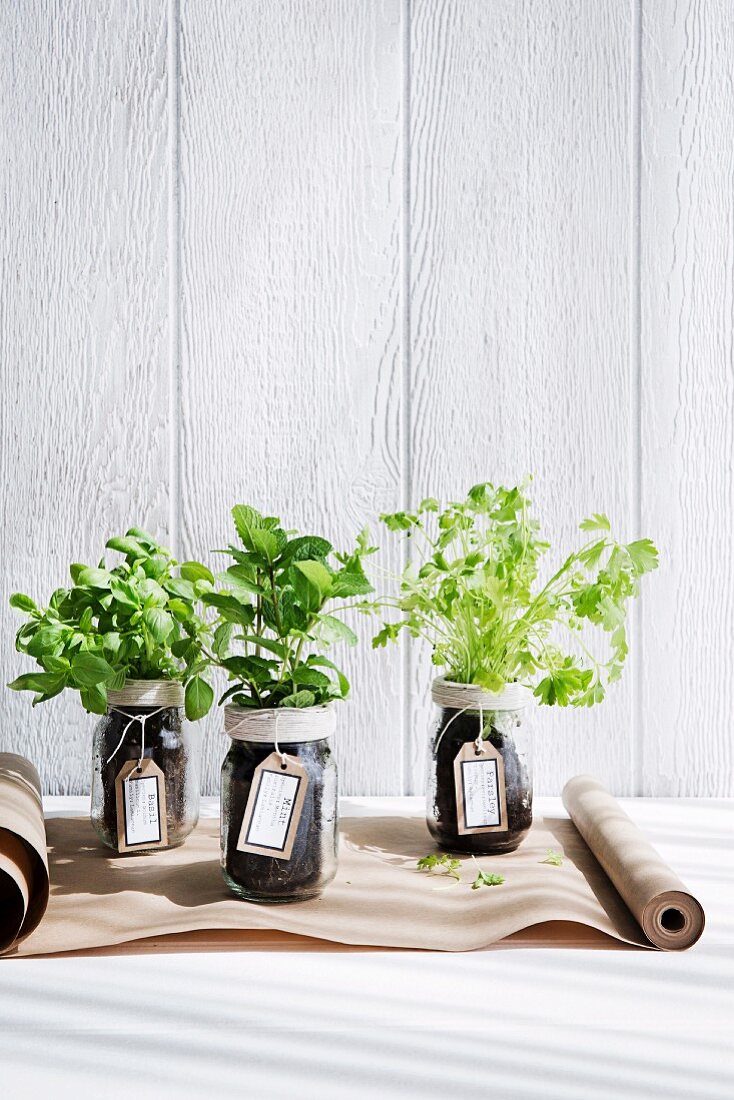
(128, 639)
(473, 591)
(280, 607)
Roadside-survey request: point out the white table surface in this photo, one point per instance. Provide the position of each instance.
(503, 1023)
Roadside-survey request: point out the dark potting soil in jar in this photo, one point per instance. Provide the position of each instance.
(442, 812)
(170, 745)
(313, 860)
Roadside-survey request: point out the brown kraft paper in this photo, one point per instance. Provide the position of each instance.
(670, 917)
(177, 900)
(24, 882)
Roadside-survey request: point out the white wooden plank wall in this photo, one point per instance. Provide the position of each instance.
(329, 257)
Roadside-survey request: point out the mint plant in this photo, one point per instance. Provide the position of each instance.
(473, 592)
(137, 620)
(280, 605)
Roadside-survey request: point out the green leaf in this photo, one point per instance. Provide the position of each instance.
(265, 543)
(195, 571)
(22, 603)
(304, 548)
(344, 584)
(186, 648)
(93, 578)
(230, 607)
(239, 577)
(398, 521)
(553, 857)
(42, 682)
(94, 698)
(390, 632)
(597, 522)
(246, 520)
(117, 682)
(143, 537)
(124, 594)
(152, 593)
(222, 640)
(317, 575)
(644, 555)
(159, 623)
(441, 865)
(324, 662)
(184, 589)
(266, 643)
(485, 878)
(299, 699)
(127, 545)
(55, 664)
(330, 629)
(305, 676)
(198, 698)
(180, 609)
(49, 638)
(89, 670)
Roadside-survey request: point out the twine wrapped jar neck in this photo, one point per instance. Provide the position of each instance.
(447, 693)
(279, 725)
(148, 693)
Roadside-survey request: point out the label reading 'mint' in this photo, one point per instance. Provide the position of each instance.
(273, 810)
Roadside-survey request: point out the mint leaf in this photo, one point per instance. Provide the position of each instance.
(299, 699)
(317, 575)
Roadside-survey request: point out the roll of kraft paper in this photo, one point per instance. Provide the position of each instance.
(24, 885)
(670, 917)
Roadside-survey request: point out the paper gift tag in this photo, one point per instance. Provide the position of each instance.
(141, 807)
(481, 804)
(274, 807)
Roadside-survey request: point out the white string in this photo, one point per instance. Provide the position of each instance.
(283, 756)
(479, 745)
(142, 718)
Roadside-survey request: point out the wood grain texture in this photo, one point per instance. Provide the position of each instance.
(83, 317)
(687, 268)
(291, 356)
(294, 371)
(519, 309)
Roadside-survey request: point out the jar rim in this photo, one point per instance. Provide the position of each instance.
(279, 725)
(450, 693)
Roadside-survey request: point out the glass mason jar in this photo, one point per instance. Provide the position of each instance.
(302, 737)
(482, 726)
(146, 721)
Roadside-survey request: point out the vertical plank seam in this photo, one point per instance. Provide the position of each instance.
(174, 274)
(406, 425)
(635, 305)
